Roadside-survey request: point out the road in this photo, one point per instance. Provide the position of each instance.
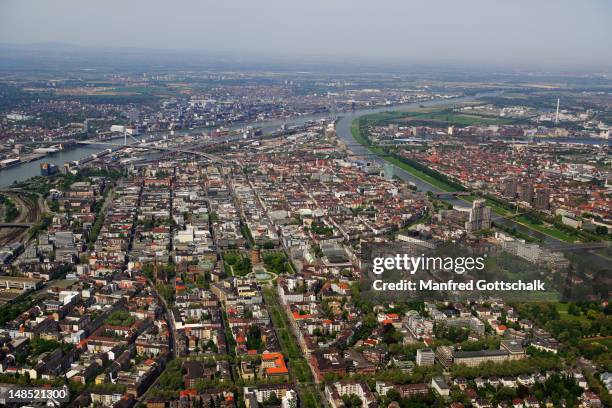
(308, 390)
(171, 344)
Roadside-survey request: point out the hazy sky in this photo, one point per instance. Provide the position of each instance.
(534, 32)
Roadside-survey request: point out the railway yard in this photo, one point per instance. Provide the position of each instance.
(29, 208)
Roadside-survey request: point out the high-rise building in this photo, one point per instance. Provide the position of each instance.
(425, 357)
(389, 170)
(542, 199)
(525, 192)
(480, 216)
(510, 187)
(444, 354)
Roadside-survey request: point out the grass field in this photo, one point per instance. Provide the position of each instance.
(435, 115)
(309, 397)
(607, 342)
(452, 118)
(301, 370)
(562, 309)
(419, 174)
(552, 231)
(290, 348)
(356, 133)
(384, 116)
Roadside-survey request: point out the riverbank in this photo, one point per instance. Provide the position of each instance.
(364, 141)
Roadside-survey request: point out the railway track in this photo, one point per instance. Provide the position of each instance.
(29, 213)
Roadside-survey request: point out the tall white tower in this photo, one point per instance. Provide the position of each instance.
(557, 117)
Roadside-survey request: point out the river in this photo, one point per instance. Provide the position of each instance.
(343, 129)
(25, 171)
